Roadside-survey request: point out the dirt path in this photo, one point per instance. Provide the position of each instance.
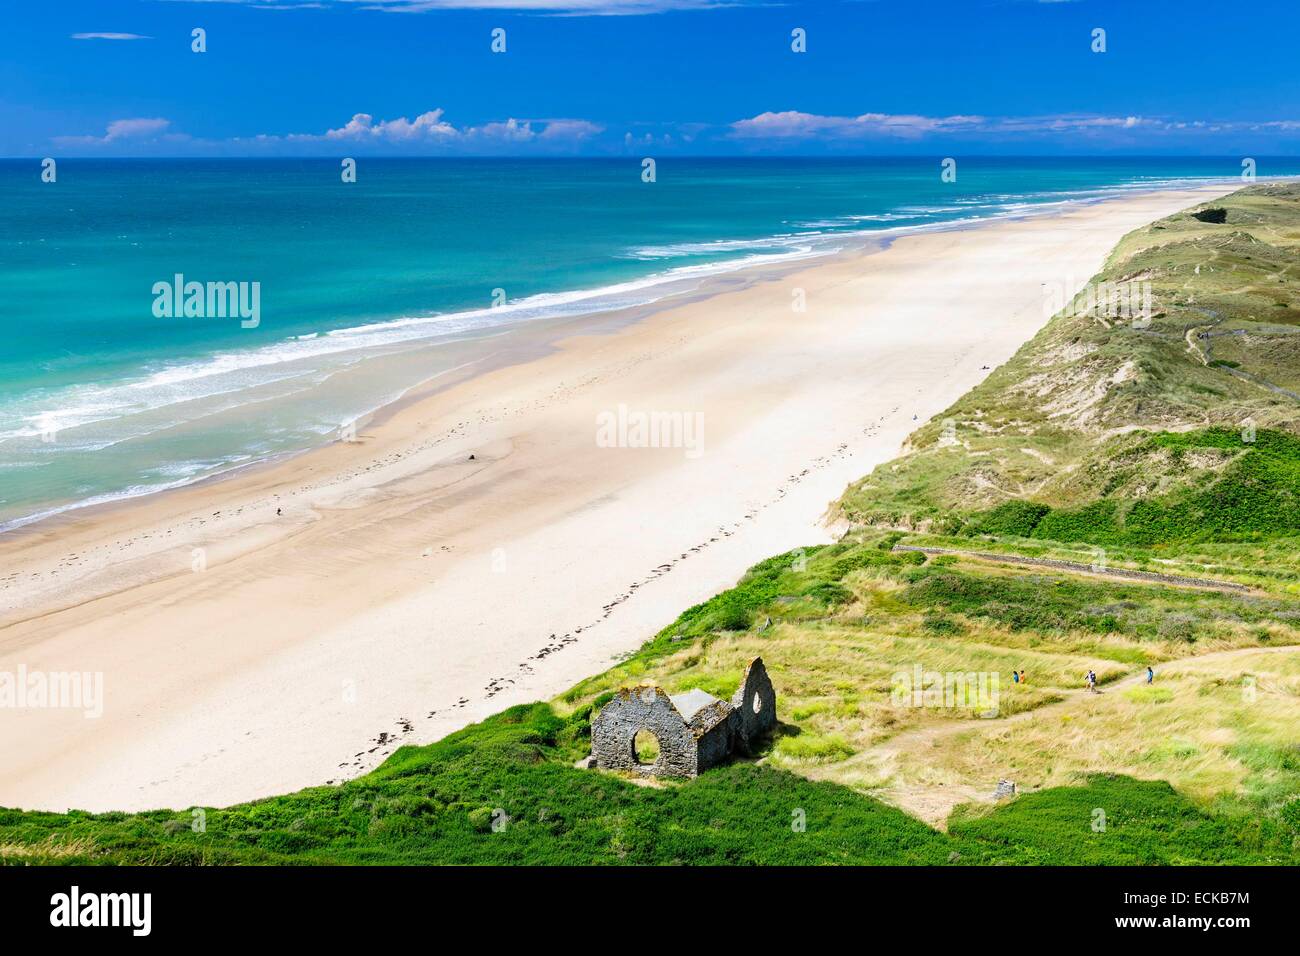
(1206, 355)
(1076, 567)
(933, 804)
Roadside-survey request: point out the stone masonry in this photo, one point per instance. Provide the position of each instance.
(695, 730)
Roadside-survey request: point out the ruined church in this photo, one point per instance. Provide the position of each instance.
(694, 730)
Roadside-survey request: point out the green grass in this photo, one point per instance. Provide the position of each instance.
(1015, 518)
(1118, 821)
(1056, 603)
(500, 792)
(1255, 496)
(506, 791)
(1149, 695)
(832, 747)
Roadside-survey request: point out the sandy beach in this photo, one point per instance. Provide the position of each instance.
(481, 544)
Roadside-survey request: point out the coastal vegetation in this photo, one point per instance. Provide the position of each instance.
(1167, 444)
(502, 792)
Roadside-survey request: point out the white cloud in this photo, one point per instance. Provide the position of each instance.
(794, 125)
(579, 7)
(511, 131)
(109, 36)
(560, 7)
(430, 129)
(570, 129)
(362, 126)
(134, 128)
(431, 132)
(124, 129)
(426, 133)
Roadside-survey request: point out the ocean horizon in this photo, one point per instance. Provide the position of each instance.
(113, 386)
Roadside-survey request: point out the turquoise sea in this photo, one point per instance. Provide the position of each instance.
(102, 397)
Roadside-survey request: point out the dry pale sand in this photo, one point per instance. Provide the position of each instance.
(407, 590)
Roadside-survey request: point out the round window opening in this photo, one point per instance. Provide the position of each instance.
(758, 703)
(645, 747)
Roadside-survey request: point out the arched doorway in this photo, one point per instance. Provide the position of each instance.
(645, 747)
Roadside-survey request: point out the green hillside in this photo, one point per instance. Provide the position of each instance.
(1079, 419)
(437, 804)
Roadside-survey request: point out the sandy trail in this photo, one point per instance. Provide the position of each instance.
(407, 589)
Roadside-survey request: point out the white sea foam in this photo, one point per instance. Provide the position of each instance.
(134, 491)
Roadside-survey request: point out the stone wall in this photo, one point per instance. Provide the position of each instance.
(752, 723)
(714, 733)
(643, 708)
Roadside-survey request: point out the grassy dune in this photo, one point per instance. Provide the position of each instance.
(1082, 413)
(834, 658)
(1099, 442)
(1220, 729)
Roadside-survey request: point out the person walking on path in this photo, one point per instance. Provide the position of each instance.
(1151, 675)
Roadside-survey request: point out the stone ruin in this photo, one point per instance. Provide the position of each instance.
(694, 730)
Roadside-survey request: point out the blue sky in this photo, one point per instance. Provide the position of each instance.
(611, 77)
